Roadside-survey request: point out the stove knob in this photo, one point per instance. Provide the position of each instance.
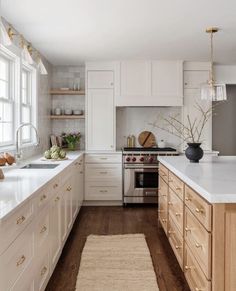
(127, 159)
(133, 159)
(141, 159)
(150, 159)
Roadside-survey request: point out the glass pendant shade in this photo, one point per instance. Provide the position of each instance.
(26, 55)
(213, 92)
(4, 37)
(41, 67)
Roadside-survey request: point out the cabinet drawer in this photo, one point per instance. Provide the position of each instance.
(199, 207)
(26, 281)
(16, 258)
(176, 241)
(162, 205)
(42, 272)
(103, 172)
(163, 188)
(14, 225)
(199, 240)
(42, 230)
(42, 198)
(163, 172)
(103, 158)
(193, 273)
(176, 210)
(105, 190)
(176, 185)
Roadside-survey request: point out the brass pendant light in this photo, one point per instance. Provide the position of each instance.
(212, 91)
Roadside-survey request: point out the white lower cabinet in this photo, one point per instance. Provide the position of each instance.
(42, 225)
(103, 177)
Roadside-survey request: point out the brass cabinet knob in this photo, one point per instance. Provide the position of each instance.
(20, 261)
(20, 220)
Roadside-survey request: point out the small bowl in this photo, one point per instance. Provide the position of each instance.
(68, 111)
(77, 112)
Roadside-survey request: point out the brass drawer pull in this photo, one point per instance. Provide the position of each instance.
(178, 188)
(103, 172)
(197, 245)
(103, 191)
(163, 195)
(199, 210)
(170, 180)
(171, 231)
(57, 199)
(69, 188)
(55, 186)
(177, 214)
(21, 261)
(81, 172)
(43, 197)
(187, 229)
(188, 199)
(162, 173)
(187, 268)
(164, 220)
(20, 220)
(178, 247)
(199, 289)
(170, 203)
(103, 158)
(43, 229)
(44, 270)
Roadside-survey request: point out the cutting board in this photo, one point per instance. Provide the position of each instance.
(147, 139)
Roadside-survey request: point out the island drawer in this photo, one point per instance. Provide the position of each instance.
(103, 158)
(199, 207)
(176, 241)
(176, 209)
(193, 273)
(199, 240)
(14, 225)
(176, 185)
(163, 188)
(163, 172)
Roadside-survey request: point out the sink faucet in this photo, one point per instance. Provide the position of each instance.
(18, 150)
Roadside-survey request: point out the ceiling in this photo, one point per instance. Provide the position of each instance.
(69, 32)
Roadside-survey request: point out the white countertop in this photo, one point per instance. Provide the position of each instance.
(19, 185)
(214, 178)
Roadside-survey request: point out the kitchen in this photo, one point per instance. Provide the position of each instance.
(117, 146)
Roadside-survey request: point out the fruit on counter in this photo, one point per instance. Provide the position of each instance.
(55, 153)
(9, 158)
(2, 160)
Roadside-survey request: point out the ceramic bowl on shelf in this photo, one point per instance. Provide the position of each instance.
(77, 112)
(68, 111)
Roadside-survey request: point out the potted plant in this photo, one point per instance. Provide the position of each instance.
(72, 140)
(190, 131)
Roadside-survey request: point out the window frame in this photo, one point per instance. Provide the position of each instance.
(15, 87)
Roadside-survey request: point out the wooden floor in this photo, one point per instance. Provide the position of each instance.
(118, 220)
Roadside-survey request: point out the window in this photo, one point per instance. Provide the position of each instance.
(26, 104)
(17, 99)
(6, 102)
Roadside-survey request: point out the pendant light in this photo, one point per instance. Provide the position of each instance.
(212, 91)
(25, 52)
(4, 37)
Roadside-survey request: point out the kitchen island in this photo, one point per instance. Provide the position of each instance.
(197, 210)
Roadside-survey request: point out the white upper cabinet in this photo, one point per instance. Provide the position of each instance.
(150, 83)
(194, 79)
(100, 80)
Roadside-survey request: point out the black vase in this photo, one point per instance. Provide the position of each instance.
(194, 152)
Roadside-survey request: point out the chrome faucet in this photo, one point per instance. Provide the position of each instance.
(18, 150)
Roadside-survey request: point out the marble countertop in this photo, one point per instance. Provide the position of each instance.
(20, 185)
(214, 178)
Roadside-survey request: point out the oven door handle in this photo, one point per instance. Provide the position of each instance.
(142, 167)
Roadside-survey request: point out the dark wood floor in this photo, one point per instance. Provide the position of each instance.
(118, 220)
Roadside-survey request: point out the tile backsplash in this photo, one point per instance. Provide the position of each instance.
(134, 120)
(67, 76)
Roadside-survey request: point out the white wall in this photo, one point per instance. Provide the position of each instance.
(225, 74)
(133, 120)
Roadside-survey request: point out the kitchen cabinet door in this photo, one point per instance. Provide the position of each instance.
(100, 80)
(55, 229)
(63, 216)
(194, 79)
(100, 119)
(167, 83)
(68, 189)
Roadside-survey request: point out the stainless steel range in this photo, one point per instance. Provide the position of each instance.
(140, 173)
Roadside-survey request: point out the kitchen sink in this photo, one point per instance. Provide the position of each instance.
(40, 166)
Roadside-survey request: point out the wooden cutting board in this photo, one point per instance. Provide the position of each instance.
(147, 139)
